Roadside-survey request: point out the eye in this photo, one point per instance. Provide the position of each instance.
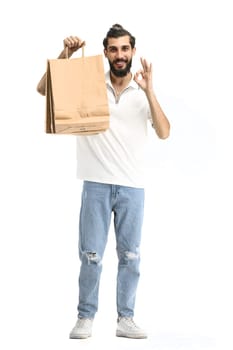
(125, 48)
(112, 49)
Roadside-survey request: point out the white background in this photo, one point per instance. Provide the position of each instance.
(185, 294)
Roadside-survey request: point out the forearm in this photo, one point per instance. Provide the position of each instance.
(160, 121)
(41, 86)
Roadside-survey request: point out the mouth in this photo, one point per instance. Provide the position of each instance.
(120, 64)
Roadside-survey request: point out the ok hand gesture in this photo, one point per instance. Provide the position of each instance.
(143, 76)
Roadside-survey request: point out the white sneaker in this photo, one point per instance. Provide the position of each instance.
(82, 329)
(127, 328)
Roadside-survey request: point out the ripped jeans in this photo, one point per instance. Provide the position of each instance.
(99, 201)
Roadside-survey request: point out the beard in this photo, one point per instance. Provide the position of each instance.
(118, 72)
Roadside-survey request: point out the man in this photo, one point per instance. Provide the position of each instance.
(111, 167)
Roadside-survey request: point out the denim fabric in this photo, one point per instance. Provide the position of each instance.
(99, 201)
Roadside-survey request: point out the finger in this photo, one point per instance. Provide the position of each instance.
(73, 42)
(77, 41)
(140, 71)
(136, 78)
(146, 65)
(83, 43)
(143, 62)
(68, 42)
(139, 76)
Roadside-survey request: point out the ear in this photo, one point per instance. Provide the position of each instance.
(105, 52)
(134, 51)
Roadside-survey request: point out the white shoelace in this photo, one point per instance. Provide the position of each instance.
(129, 322)
(84, 322)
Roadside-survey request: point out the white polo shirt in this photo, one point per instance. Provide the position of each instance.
(116, 156)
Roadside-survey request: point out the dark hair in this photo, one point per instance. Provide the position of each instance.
(117, 31)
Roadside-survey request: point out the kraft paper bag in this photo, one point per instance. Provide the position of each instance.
(76, 96)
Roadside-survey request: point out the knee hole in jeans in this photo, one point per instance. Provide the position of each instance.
(92, 257)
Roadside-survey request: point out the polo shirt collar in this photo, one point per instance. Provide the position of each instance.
(132, 83)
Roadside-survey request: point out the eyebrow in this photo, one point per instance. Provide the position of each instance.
(115, 47)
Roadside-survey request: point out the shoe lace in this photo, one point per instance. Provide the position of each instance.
(84, 322)
(130, 322)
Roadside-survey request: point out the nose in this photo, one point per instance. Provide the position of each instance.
(119, 53)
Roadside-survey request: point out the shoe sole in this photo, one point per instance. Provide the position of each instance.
(80, 336)
(131, 336)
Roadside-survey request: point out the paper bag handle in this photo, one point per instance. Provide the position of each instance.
(66, 51)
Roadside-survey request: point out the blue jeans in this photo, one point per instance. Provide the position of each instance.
(99, 201)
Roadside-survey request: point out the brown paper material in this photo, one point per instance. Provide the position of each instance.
(76, 96)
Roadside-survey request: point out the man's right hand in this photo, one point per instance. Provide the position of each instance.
(73, 43)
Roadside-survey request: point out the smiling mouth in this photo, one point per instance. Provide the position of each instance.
(120, 64)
